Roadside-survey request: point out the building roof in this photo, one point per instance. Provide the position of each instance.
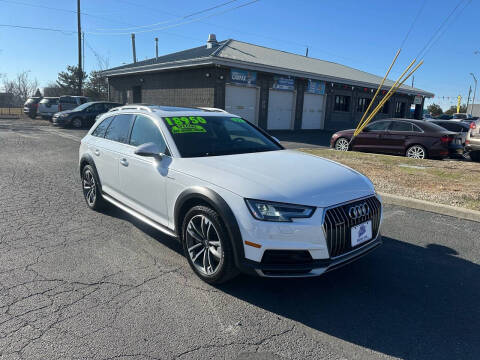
(234, 53)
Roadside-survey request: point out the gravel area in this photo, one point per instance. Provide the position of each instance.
(449, 182)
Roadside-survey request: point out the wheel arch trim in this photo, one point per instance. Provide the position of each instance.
(213, 199)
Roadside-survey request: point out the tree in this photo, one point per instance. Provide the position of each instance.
(434, 109)
(68, 80)
(21, 87)
(453, 109)
(52, 89)
(96, 87)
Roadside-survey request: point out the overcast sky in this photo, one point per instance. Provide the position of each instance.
(361, 34)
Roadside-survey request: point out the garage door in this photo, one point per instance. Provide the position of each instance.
(313, 111)
(242, 101)
(280, 110)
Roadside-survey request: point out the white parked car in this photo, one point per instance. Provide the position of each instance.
(47, 107)
(229, 192)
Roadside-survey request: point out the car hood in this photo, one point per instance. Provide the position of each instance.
(64, 112)
(286, 176)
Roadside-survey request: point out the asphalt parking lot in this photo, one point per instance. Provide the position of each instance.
(76, 284)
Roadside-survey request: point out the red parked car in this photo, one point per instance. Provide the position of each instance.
(412, 138)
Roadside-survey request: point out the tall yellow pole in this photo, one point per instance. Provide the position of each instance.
(379, 88)
(388, 96)
(357, 131)
(459, 100)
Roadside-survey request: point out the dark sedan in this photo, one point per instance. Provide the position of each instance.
(83, 115)
(412, 138)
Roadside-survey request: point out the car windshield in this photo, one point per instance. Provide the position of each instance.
(82, 107)
(198, 136)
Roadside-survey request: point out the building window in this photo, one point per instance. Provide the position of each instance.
(399, 109)
(362, 104)
(386, 108)
(342, 103)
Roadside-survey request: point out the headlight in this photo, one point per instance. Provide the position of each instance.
(274, 211)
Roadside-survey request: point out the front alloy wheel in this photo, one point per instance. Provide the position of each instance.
(203, 244)
(341, 144)
(77, 123)
(207, 245)
(416, 152)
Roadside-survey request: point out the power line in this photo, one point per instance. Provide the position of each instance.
(178, 24)
(39, 28)
(413, 23)
(169, 21)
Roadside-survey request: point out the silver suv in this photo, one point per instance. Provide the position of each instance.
(472, 143)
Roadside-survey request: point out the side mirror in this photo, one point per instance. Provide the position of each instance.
(149, 149)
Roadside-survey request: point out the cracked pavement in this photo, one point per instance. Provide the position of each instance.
(76, 284)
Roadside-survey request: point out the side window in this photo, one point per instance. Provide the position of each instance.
(100, 129)
(98, 107)
(416, 128)
(83, 100)
(378, 126)
(400, 126)
(119, 128)
(145, 131)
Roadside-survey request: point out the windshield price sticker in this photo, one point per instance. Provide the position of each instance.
(183, 125)
(238, 120)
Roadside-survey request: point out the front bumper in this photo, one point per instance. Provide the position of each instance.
(61, 121)
(314, 268)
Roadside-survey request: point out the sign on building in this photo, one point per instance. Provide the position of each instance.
(283, 83)
(245, 77)
(418, 100)
(316, 87)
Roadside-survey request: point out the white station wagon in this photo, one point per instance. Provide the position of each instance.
(230, 193)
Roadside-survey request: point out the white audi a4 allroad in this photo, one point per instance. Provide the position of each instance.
(229, 192)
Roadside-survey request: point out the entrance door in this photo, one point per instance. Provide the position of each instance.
(137, 94)
(280, 110)
(242, 101)
(313, 111)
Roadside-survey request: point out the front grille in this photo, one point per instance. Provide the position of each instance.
(337, 225)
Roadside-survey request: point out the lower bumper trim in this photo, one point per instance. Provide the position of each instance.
(315, 268)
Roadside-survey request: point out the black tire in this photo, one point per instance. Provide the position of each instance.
(77, 123)
(342, 144)
(475, 156)
(97, 202)
(226, 269)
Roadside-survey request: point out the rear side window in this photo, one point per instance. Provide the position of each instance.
(119, 128)
(67, 100)
(83, 100)
(401, 126)
(102, 127)
(145, 131)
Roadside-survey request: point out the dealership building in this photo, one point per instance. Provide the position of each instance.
(274, 89)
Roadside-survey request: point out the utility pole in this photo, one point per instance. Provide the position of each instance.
(474, 92)
(468, 99)
(83, 50)
(306, 52)
(156, 49)
(133, 48)
(413, 80)
(79, 36)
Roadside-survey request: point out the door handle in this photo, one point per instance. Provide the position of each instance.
(97, 152)
(124, 162)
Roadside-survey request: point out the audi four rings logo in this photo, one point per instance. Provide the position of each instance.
(358, 211)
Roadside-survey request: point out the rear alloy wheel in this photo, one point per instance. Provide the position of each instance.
(77, 123)
(207, 246)
(341, 144)
(416, 152)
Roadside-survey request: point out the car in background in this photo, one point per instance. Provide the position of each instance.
(70, 102)
(460, 116)
(412, 138)
(459, 127)
(30, 106)
(444, 117)
(47, 107)
(83, 115)
(472, 143)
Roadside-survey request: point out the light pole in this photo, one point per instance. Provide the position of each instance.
(474, 92)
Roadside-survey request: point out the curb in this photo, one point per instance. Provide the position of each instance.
(442, 209)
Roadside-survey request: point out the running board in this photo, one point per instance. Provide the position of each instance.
(139, 216)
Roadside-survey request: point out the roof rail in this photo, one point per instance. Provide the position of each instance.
(212, 109)
(131, 107)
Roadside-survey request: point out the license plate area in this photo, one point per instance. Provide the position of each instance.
(361, 233)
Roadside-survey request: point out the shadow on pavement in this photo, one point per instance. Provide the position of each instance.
(402, 300)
